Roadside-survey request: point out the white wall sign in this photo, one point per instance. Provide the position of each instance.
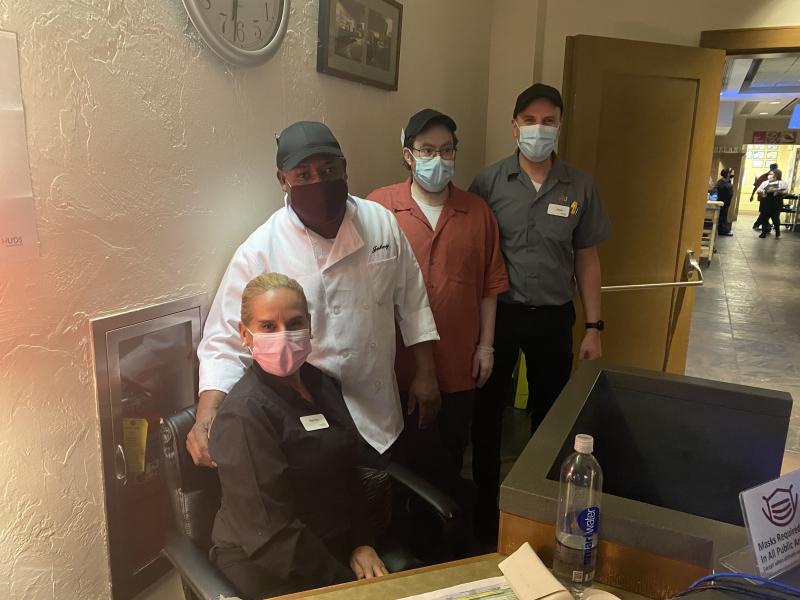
(18, 237)
(773, 523)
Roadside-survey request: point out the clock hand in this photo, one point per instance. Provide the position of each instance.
(235, 18)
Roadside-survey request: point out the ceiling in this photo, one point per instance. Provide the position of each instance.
(761, 85)
(762, 78)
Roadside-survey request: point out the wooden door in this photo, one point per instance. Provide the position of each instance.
(640, 117)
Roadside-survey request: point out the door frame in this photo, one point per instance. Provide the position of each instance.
(761, 40)
(766, 40)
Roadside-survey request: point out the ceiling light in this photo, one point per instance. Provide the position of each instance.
(765, 113)
(776, 102)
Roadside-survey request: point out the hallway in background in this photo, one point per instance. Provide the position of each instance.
(746, 322)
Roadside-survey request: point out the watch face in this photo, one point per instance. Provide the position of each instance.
(239, 30)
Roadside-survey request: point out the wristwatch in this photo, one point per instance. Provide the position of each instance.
(599, 325)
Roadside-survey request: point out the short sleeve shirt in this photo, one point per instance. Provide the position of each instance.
(540, 230)
(461, 264)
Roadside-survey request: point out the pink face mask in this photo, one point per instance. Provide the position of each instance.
(281, 353)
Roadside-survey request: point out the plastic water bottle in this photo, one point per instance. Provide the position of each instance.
(578, 517)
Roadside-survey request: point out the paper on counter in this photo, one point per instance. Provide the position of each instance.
(494, 588)
(529, 578)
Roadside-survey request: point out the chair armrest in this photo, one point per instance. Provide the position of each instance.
(436, 498)
(196, 570)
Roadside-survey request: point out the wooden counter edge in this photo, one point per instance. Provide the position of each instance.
(352, 584)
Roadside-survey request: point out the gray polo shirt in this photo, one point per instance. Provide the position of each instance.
(539, 231)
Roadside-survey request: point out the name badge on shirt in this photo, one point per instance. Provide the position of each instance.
(558, 210)
(314, 422)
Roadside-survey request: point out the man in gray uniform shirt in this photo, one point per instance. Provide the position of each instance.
(551, 221)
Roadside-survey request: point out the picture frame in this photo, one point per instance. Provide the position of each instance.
(758, 163)
(360, 40)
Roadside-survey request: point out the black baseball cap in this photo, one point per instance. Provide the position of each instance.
(424, 119)
(303, 139)
(536, 91)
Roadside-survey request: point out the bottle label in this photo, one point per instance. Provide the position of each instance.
(589, 522)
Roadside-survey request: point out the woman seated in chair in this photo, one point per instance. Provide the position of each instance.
(292, 515)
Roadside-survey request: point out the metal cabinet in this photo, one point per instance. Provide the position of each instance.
(145, 368)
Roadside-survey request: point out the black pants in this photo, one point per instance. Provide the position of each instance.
(545, 336)
(254, 582)
(437, 454)
(723, 225)
(770, 209)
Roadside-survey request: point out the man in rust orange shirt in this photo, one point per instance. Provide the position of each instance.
(454, 236)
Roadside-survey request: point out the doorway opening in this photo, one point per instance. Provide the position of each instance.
(746, 321)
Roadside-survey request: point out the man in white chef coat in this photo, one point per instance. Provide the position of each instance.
(358, 273)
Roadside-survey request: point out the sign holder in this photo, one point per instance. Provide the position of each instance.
(772, 519)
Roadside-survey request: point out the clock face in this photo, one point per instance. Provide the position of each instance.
(240, 31)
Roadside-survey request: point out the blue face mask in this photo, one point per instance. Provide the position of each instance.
(537, 142)
(433, 174)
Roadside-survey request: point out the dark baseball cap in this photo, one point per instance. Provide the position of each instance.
(536, 91)
(303, 139)
(424, 119)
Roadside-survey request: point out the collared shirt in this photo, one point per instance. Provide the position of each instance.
(370, 276)
(461, 264)
(292, 499)
(540, 231)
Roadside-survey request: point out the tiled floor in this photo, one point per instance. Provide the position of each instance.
(746, 322)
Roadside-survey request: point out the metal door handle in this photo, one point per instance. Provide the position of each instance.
(120, 465)
(690, 265)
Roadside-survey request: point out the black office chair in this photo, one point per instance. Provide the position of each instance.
(195, 498)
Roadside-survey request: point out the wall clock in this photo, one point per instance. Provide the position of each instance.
(242, 32)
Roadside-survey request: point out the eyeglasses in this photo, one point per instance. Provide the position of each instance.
(447, 153)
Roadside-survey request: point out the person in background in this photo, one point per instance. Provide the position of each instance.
(756, 184)
(292, 515)
(455, 239)
(771, 193)
(724, 191)
(358, 273)
(551, 221)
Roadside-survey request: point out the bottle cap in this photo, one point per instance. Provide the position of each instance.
(584, 443)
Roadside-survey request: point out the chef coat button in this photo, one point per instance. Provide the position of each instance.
(336, 310)
(366, 306)
(380, 302)
(345, 354)
(373, 345)
(378, 385)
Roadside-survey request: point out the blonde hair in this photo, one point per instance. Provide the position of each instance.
(263, 284)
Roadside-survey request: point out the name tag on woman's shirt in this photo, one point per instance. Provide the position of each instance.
(314, 422)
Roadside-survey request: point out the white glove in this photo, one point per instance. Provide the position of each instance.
(482, 364)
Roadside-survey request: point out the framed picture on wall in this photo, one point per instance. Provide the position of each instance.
(749, 154)
(759, 154)
(359, 40)
(772, 147)
(772, 154)
(758, 163)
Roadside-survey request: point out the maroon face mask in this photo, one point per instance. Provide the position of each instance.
(320, 206)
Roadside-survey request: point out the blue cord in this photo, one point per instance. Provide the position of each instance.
(776, 584)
